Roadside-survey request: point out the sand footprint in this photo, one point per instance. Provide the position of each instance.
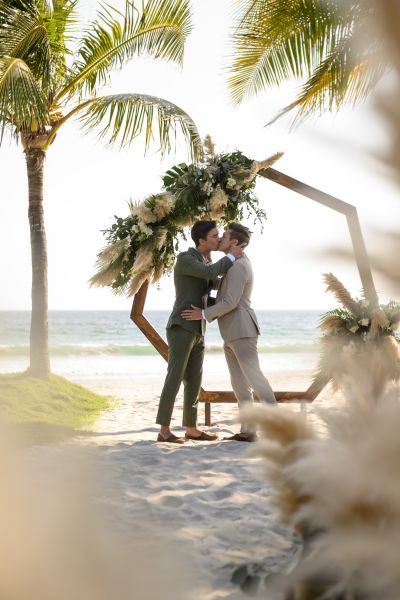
(225, 492)
(171, 501)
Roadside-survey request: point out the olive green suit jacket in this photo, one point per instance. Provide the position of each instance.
(193, 281)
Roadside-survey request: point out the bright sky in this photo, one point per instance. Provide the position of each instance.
(86, 183)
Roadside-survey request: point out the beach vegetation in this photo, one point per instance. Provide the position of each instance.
(50, 408)
(53, 72)
(329, 47)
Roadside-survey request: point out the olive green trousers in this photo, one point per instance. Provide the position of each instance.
(185, 365)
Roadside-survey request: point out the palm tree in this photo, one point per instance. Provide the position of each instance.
(321, 42)
(50, 74)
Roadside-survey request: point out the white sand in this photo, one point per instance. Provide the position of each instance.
(206, 496)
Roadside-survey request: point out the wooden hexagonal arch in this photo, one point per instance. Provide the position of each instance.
(363, 265)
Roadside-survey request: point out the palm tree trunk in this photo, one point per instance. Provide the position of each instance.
(39, 347)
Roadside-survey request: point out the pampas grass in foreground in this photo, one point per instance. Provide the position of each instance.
(341, 493)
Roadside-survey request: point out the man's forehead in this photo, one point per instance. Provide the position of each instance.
(213, 232)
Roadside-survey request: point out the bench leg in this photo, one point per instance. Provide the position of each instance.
(207, 410)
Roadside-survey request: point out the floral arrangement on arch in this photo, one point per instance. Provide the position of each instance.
(143, 245)
(359, 340)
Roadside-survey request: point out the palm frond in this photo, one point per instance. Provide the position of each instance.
(341, 294)
(306, 39)
(60, 28)
(341, 78)
(46, 6)
(160, 30)
(22, 102)
(125, 116)
(38, 39)
(25, 37)
(26, 5)
(282, 39)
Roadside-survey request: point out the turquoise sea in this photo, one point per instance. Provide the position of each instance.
(107, 343)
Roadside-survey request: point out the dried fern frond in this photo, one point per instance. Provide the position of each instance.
(209, 145)
(257, 166)
(157, 273)
(136, 283)
(379, 320)
(341, 294)
(143, 260)
(109, 263)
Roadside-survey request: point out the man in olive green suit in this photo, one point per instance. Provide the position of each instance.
(239, 328)
(194, 277)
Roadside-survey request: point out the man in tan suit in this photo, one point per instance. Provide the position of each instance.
(239, 328)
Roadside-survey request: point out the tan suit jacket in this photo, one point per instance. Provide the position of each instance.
(236, 318)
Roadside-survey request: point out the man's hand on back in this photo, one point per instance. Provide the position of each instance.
(192, 315)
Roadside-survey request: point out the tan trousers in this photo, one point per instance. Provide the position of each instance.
(246, 375)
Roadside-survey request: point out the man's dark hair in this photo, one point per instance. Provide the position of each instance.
(239, 232)
(201, 229)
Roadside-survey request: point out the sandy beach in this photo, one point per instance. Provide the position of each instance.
(206, 501)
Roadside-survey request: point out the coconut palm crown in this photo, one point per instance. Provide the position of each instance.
(325, 44)
(51, 73)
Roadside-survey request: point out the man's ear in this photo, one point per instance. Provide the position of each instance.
(233, 242)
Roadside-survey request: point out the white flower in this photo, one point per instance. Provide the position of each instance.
(208, 188)
(230, 183)
(364, 322)
(145, 230)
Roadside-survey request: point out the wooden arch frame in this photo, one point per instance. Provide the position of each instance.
(363, 265)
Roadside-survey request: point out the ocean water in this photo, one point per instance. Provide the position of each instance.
(107, 343)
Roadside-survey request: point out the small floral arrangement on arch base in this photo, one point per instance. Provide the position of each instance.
(143, 245)
(359, 341)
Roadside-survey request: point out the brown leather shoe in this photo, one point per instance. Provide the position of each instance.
(172, 439)
(243, 437)
(203, 437)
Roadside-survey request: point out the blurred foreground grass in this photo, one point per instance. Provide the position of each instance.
(48, 410)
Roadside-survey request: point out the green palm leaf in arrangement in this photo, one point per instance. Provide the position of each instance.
(51, 73)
